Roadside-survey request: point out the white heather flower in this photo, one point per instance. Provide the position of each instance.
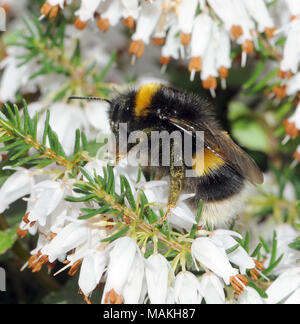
(17, 7)
(226, 12)
(291, 54)
(286, 284)
(186, 14)
(97, 116)
(223, 52)
(15, 187)
(187, 289)
(157, 276)
(164, 25)
(147, 20)
(212, 289)
(259, 12)
(172, 44)
(250, 297)
(57, 2)
(201, 38)
(294, 7)
(87, 9)
(170, 296)
(130, 8)
(293, 85)
(286, 234)
(223, 49)
(91, 271)
(209, 71)
(213, 257)
(182, 216)
(123, 168)
(209, 62)
(289, 192)
(294, 299)
(57, 219)
(12, 79)
(112, 13)
(95, 166)
(132, 290)
(71, 236)
(65, 119)
(239, 257)
(155, 191)
(242, 16)
(123, 253)
(42, 241)
(44, 198)
(292, 124)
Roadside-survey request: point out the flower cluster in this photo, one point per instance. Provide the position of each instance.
(102, 222)
(199, 30)
(217, 259)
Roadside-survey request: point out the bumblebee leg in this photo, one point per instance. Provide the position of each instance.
(177, 175)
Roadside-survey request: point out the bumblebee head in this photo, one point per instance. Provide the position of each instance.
(121, 109)
(131, 107)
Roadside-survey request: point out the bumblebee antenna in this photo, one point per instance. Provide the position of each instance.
(89, 99)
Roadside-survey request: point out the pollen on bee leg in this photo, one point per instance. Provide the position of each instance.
(112, 297)
(185, 38)
(103, 24)
(279, 91)
(270, 32)
(129, 22)
(195, 65)
(79, 24)
(136, 49)
(236, 31)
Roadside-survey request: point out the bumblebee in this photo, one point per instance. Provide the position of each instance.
(223, 178)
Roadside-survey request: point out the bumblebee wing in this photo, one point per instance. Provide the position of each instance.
(219, 143)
